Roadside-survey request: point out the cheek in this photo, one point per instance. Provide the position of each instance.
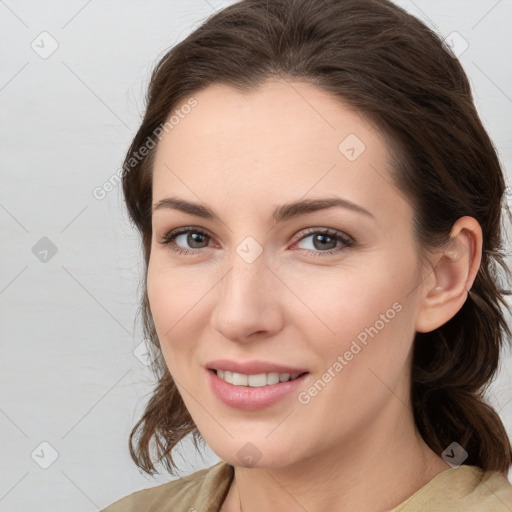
(173, 301)
(364, 317)
(374, 326)
(359, 366)
(340, 304)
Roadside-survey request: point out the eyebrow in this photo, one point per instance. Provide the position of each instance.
(280, 214)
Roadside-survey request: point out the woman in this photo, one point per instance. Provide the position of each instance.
(320, 209)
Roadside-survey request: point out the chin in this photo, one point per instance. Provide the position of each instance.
(256, 455)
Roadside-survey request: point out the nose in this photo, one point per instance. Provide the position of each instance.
(248, 303)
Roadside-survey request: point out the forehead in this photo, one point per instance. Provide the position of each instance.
(277, 143)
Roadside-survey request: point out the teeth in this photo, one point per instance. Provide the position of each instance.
(255, 381)
(239, 379)
(272, 378)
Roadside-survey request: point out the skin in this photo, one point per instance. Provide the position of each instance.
(354, 446)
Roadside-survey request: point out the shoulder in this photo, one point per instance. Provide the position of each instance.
(203, 490)
(464, 489)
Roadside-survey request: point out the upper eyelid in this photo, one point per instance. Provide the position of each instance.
(313, 229)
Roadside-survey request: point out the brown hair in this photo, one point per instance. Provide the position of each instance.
(389, 66)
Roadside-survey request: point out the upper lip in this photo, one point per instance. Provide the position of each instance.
(252, 367)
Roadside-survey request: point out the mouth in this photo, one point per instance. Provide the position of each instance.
(254, 385)
(257, 380)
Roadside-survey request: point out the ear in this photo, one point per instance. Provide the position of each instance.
(454, 269)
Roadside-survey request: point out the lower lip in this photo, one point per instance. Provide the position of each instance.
(249, 398)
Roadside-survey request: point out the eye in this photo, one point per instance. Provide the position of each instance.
(194, 236)
(323, 241)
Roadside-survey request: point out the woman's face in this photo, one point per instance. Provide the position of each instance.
(261, 288)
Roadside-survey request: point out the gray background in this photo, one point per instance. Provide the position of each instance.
(72, 364)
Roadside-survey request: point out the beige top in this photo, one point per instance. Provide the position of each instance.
(460, 489)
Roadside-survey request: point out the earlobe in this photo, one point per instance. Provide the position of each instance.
(454, 270)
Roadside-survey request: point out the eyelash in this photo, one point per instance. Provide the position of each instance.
(346, 241)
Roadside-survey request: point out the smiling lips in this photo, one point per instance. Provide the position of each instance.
(252, 385)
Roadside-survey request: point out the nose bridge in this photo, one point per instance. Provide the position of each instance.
(247, 277)
(246, 300)
(244, 288)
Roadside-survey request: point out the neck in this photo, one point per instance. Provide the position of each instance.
(376, 470)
